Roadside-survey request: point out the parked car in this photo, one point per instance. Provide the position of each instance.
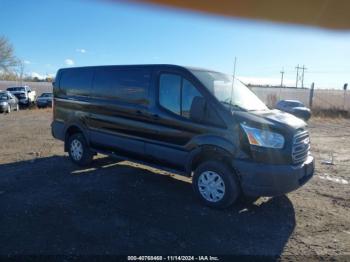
(24, 94)
(185, 120)
(8, 102)
(44, 100)
(294, 107)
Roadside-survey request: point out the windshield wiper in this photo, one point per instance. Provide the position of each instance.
(233, 105)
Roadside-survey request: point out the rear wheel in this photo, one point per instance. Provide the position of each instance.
(78, 150)
(215, 184)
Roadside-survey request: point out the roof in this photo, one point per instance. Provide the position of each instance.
(145, 66)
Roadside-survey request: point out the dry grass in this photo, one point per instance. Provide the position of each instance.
(330, 113)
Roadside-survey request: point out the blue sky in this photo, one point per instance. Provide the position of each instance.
(49, 35)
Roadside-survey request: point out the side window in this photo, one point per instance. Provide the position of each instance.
(76, 81)
(130, 86)
(170, 92)
(176, 94)
(189, 92)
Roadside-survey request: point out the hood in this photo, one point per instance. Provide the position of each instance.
(274, 119)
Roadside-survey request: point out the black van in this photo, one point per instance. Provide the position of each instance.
(191, 121)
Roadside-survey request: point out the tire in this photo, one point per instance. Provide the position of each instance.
(78, 150)
(226, 189)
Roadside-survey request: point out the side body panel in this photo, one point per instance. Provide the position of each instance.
(147, 131)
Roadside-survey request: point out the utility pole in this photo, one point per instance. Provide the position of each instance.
(302, 77)
(296, 82)
(282, 73)
(311, 94)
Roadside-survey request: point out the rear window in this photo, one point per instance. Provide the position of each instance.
(294, 104)
(16, 89)
(130, 86)
(76, 81)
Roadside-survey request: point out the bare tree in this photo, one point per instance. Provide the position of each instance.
(8, 60)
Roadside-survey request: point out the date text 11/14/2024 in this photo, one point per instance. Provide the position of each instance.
(173, 258)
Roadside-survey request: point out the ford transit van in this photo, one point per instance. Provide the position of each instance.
(191, 121)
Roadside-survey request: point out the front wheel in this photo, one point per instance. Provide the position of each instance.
(215, 184)
(78, 150)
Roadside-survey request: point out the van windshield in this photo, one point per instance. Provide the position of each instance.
(220, 85)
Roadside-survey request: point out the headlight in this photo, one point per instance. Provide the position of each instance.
(263, 138)
(3, 103)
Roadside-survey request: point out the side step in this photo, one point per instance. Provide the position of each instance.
(150, 164)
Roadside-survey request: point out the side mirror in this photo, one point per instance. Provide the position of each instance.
(198, 109)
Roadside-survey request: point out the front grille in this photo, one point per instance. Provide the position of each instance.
(301, 147)
(20, 96)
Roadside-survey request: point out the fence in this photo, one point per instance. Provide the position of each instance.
(39, 87)
(323, 98)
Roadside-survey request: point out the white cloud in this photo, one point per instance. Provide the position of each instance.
(81, 50)
(69, 62)
(26, 62)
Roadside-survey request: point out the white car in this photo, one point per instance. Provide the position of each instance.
(24, 94)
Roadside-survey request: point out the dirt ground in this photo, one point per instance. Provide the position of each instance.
(50, 206)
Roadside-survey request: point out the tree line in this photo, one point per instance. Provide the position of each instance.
(11, 67)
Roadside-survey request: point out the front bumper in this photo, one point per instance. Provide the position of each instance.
(44, 103)
(23, 101)
(258, 179)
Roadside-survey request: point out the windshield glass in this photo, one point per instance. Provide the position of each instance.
(295, 104)
(16, 89)
(220, 85)
(46, 95)
(3, 96)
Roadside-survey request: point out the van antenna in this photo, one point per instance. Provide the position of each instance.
(233, 78)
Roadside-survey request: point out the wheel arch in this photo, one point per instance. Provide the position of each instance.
(72, 129)
(205, 153)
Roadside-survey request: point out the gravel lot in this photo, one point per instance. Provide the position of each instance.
(50, 206)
